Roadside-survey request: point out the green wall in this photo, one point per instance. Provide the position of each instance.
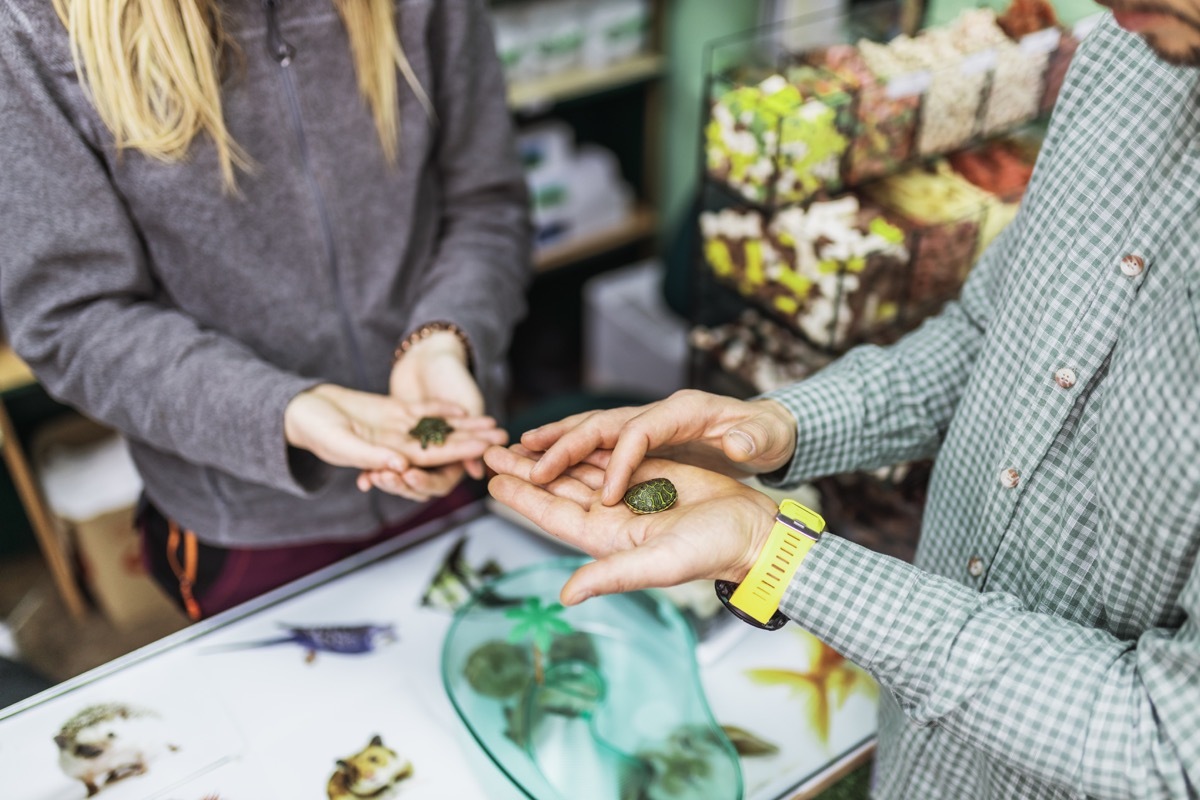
(689, 24)
(1069, 11)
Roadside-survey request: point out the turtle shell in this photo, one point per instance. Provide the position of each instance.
(652, 496)
(430, 429)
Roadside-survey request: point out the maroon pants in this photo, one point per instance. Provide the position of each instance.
(205, 580)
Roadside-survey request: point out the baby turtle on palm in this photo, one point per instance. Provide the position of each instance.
(430, 429)
(652, 496)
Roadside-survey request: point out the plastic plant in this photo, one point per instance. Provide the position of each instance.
(539, 624)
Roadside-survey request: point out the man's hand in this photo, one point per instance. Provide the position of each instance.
(732, 436)
(348, 428)
(716, 529)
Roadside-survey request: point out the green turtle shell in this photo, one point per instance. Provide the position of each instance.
(430, 429)
(498, 669)
(652, 496)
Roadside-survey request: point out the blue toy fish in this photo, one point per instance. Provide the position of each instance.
(346, 639)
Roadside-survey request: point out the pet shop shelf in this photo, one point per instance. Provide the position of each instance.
(845, 188)
(799, 110)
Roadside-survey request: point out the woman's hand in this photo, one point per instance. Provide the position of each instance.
(433, 370)
(734, 437)
(349, 428)
(716, 528)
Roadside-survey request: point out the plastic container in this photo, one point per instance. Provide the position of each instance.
(779, 140)
(600, 700)
(834, 272)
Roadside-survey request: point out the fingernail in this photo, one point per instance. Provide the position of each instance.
(743, 441)
(530, 432)
(397, 465)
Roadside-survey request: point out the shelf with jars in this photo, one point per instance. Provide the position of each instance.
(847, 188)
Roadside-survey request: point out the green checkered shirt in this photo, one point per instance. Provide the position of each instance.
(1046, 644)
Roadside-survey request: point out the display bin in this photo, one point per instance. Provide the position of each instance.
(1017, 83)
(886, 113)
(779, 139)
(834, 273)
(801, 110)
(942, 215)
(1002, 168)
(958, 90)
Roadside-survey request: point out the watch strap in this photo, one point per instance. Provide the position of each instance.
(797, 528)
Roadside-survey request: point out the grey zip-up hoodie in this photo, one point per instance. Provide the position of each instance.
(187, 317)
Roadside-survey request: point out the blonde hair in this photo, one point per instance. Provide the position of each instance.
(153, 70)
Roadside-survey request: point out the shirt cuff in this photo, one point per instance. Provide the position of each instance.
(828, 413)
(850, 597)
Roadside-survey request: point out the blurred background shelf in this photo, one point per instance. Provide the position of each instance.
(535, 94)
(638, 226)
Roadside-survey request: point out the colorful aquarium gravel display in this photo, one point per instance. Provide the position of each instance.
(943, 212)
(833, 272)
(885, 117)
(779, 141)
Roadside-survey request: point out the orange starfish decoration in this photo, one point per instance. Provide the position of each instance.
(829, 677)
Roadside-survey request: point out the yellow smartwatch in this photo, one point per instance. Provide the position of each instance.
(756, 599)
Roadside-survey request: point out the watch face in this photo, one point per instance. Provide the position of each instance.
(725, 590)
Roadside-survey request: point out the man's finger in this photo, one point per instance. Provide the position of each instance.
(391, 482)
(541, 438)
(557, 516)
(508, 461)
(570, 449)
(622, 571)
(569, 486)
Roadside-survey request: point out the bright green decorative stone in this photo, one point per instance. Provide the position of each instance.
(430, 429)
(652, 496)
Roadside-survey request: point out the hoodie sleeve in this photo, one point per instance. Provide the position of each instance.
(482, 265)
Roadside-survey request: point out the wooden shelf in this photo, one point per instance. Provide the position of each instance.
(539, 93)
(14, 374)
(639, 225)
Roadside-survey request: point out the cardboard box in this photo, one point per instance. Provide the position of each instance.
(632, 341)
(91, 490)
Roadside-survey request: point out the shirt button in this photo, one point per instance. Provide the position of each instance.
(975, 566)
(1132, 265)
(1065, 377)
(1009, 478)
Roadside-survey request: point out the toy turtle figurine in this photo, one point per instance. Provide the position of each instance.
(430, 429)
(652, 496)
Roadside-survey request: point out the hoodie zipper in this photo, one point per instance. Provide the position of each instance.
(283, 52)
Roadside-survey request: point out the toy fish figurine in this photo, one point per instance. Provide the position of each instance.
(456, 580)
(345, 639)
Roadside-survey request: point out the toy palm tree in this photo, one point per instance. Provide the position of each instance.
(540, 624)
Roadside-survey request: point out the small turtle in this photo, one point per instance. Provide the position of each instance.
(652, 496)
(430, 429)
(498, 668)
